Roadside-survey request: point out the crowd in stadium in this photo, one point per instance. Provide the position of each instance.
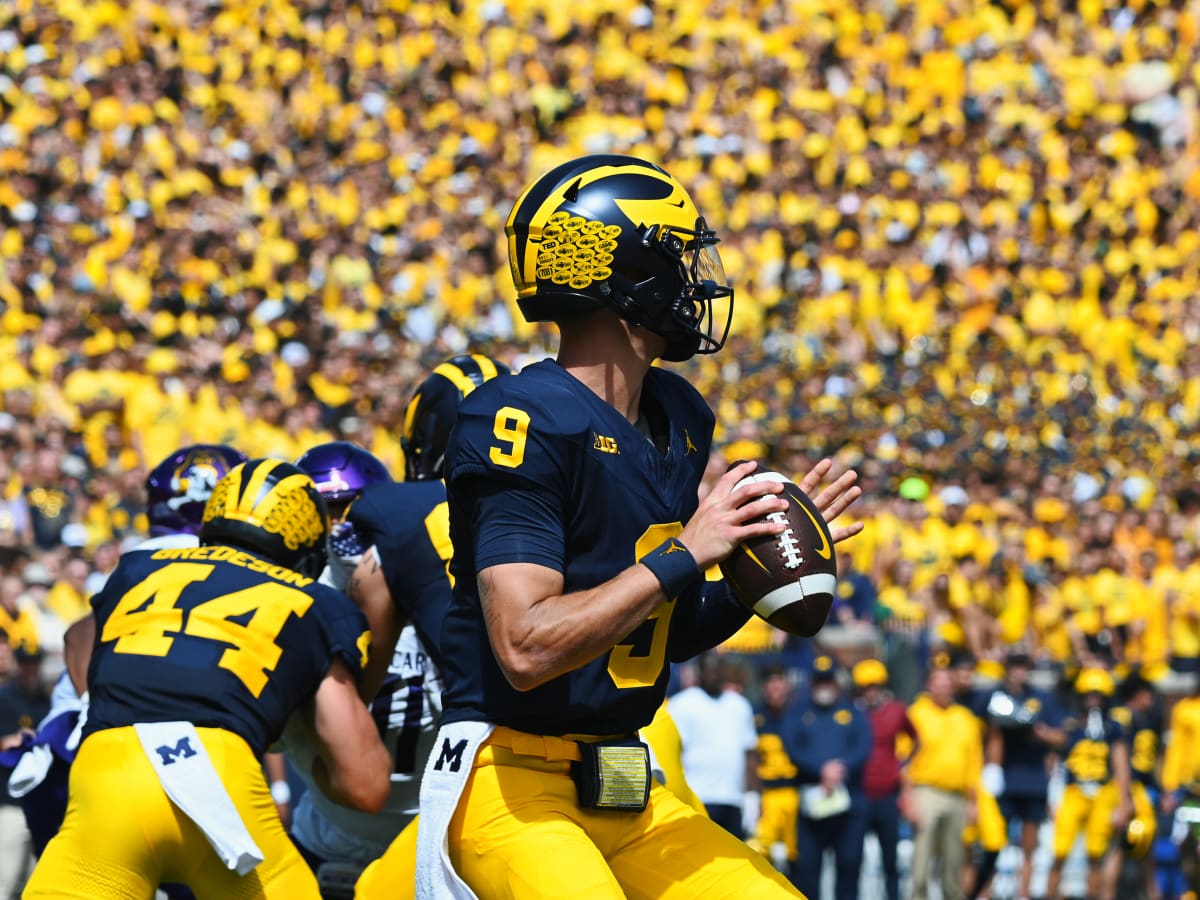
(965, 237)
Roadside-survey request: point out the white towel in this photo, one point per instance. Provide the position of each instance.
(190, 780)
(34, 766)
(446, 772)
(31, 771)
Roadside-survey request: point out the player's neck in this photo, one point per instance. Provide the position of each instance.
(611, 359)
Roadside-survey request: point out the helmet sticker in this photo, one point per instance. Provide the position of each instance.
(579, 254)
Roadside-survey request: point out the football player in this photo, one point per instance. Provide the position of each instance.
(202, 654)
(776, 832)
(342, 471)
(1141, 716)
(404, 539)
(1022, 728)
(177, 490)
(579, 549)
(1097, 799)
(338, 841)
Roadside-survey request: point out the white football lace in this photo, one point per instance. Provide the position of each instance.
(789, 547)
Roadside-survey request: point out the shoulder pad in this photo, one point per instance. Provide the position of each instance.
(132, 567)
(542, 389)
(520, 427)
(390, 513)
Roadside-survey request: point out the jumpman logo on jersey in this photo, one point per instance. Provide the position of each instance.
(690, 448)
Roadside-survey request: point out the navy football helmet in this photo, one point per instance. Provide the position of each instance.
(271, 508)
(179, 486)
(430, 416)
(617, 232)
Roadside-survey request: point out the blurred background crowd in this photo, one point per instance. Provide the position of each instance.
(965, 236)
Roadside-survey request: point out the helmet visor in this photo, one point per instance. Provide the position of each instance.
(705, 307)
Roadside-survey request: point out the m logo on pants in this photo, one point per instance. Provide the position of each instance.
(181, 750)
(452, 755)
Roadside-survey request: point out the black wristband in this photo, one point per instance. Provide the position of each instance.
(673, 565)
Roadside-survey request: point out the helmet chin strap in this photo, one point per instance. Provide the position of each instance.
(681, 344)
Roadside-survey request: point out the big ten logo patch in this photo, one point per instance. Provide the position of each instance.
(183, 749)
(576, 251)
(604, 444)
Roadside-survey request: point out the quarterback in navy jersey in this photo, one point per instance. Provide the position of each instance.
(578, 466)
(201, 655)
(579, 553)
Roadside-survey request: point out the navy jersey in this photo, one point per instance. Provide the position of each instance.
(775, 767)
(1144, 729)
(541, 470)
(1014, 715)
(409, 524)
(1087, 753)
(976, 700)
(215, 636)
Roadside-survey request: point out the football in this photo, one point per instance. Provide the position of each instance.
(789, 578)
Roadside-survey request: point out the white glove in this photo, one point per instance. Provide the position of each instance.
(993, 779)
(751, 810)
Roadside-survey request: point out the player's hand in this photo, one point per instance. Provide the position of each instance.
(12, 741)
(726, 517)
(834, 499)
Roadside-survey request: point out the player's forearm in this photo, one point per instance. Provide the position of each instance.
(705, 616)
(994, 751)
(77, 651)
(1121, 771)
(538, 641)
(370, 592)
(359, 786)
(352, 766)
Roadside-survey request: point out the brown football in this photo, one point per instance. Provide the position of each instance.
(789, 578)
